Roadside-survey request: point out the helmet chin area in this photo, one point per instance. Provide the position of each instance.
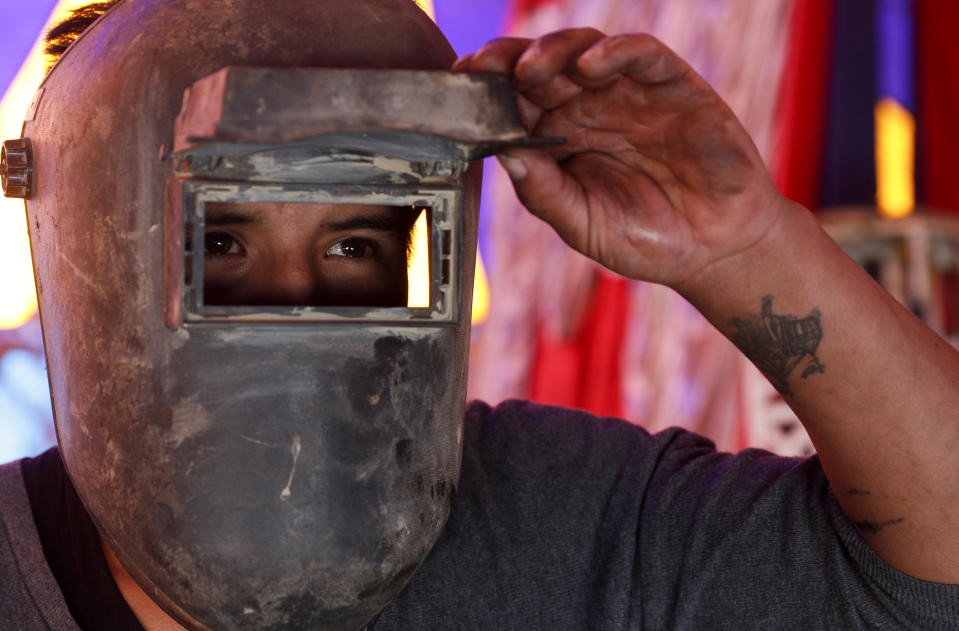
(297, 487)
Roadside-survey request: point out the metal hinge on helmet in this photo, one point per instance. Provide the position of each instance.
(16, 168)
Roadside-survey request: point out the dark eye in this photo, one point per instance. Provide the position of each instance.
(352, 247)
(221, 244)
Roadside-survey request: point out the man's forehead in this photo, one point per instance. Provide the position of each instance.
(344, 216)
(261, 208)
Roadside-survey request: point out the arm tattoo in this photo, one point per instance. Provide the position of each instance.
(777, 343)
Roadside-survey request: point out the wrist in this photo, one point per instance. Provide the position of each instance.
(737, 279)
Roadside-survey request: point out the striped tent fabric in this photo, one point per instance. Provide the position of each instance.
(850, 103)
(562, 330)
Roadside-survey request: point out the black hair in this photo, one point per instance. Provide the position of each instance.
(60, 36)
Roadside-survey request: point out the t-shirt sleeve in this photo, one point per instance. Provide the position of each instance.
(567, 521)
(759, 539)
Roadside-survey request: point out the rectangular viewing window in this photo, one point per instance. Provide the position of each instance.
(281, 252)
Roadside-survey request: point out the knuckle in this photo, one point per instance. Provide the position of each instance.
(501, 43)
(589, 31)
(642, 41)
(569, 35)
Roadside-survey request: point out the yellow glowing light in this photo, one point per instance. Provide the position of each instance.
(895, 159)
(427, 6)
(418, 274)
(480, 292)
(418, 277)
(19, 300)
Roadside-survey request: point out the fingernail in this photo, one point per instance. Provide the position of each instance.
(515, 167)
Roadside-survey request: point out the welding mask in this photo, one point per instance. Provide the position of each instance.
(261, 448)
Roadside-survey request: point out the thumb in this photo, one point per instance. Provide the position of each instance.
(548, 191)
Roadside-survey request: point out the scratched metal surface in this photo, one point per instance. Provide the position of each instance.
(253, 105)
(214, 457)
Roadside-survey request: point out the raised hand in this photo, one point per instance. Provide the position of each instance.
(657, 180)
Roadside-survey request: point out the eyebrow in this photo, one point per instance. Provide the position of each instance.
(391, 222)
(229, 219)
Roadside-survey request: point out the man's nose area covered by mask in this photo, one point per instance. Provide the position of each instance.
(295, 254)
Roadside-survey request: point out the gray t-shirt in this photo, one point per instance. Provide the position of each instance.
(565, 521)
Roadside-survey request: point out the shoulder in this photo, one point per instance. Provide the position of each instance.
(546, 522)
(513, 424)
(531, 464)
(525, 463)
(521, 436)
(29, 595)
(13, 495)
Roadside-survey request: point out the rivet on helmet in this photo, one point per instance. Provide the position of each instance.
(16, 168)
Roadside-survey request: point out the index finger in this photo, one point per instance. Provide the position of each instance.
(497, 55)
(552, 54)
(640, 56)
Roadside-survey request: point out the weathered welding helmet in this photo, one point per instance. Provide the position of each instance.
(258, 396)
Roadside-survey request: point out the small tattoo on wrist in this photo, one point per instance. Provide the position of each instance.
(778, 343)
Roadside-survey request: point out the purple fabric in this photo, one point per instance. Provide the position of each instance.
(895, 51)
(20, 25)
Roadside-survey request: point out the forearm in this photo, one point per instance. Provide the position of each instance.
(875, 388)
(658, 181)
